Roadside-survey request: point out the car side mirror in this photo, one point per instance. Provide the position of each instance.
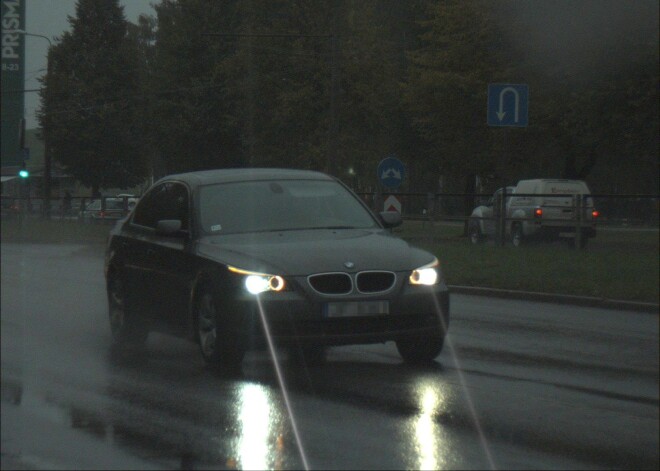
(168, 227)
(390, 218)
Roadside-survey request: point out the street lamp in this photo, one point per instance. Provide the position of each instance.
(47, 162)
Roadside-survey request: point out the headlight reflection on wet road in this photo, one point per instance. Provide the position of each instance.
(256, 427)
(280, 379)
(430, 452)
(468, 398)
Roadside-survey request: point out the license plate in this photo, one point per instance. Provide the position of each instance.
(356, 309)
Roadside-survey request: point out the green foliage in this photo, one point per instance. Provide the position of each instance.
(195, 120)
(88, 111)
(304, 84)
(340, 85)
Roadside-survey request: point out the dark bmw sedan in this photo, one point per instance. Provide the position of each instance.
(246, 258)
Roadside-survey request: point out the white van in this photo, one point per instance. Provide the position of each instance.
(548, 208)
(542, 208)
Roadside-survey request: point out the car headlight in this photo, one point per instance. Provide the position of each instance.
(427, 275)
(256, 283)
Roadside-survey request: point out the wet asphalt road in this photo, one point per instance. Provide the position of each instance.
(518, 385)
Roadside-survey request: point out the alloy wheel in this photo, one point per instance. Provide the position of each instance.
(207, 328)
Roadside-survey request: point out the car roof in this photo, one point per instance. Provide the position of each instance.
(206, 177)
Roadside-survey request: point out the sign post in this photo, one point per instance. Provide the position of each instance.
(391, 173)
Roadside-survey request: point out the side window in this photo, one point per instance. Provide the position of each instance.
(166, 201)
(175, 204)
(147, 208)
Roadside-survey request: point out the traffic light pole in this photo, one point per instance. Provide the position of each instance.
(47, 159)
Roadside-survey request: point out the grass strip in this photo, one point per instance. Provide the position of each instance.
(618, 264)
(54, 231)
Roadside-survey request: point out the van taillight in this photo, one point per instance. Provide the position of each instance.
(538, 212)
(595, 214)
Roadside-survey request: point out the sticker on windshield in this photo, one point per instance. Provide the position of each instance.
(216, 228)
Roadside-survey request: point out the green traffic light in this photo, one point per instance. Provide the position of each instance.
(23, 173)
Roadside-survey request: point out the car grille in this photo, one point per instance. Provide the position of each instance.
(341, 283)
(375, 281)
(331, 283)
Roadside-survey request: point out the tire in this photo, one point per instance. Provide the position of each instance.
(476, 237)
(516, 235)
(421, 350)
(127, 329)
(312, 355)
(220, 349)
(583, 242)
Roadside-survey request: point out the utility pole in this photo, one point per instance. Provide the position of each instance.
(252, 87)
(47, 157)
(334, 88)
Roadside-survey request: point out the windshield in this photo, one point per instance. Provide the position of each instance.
(260, 206)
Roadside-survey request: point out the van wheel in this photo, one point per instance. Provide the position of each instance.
(475, 234)
(516, 235)
(583, 242)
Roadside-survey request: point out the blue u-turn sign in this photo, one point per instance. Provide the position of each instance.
(508, 104)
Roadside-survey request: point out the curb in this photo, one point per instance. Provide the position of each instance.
(650, 308)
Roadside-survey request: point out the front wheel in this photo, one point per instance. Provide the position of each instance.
(221, 350)
(420, 350)
(476, 236)
(126, 327)
(308, 355)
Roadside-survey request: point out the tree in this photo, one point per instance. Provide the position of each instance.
(194, 117)
(445, 92)
(88, 113)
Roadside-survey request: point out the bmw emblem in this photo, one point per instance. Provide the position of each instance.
(349, 264)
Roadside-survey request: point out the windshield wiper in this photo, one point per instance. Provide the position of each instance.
(288, 229)
(332, 227)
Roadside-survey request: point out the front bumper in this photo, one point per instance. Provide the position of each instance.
(297, 317)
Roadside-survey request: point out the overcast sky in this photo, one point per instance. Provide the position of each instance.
(49, 18)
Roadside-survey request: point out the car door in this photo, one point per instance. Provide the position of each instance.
(139, 260)
(172, 261)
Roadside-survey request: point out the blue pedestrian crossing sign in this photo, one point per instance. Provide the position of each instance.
(508, 104)
(391, 172)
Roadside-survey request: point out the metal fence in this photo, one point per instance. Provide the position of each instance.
(102, 210)
(614, 210)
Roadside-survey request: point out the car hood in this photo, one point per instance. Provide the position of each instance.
(300, 253)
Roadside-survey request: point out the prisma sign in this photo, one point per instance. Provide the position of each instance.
(12, 45)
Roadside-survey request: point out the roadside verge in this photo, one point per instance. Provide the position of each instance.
(589, 301)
